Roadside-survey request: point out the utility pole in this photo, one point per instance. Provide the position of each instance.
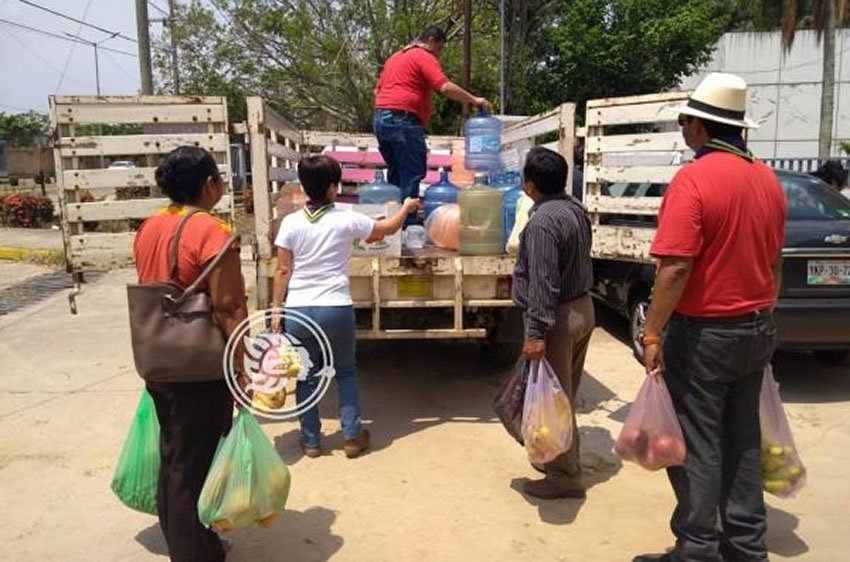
(467, 51)
(144, 38)
(827, 103)
(93, 45)
(172, 31)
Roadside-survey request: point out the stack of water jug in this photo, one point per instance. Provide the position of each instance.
(487, 208)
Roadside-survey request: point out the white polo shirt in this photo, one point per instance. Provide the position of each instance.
(320, 252)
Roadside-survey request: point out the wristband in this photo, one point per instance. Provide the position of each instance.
(650, 340)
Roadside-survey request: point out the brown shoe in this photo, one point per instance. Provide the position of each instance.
(546, 490)
(355, 447)
(312, 452)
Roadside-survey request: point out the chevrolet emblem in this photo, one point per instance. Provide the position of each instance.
(835, 239)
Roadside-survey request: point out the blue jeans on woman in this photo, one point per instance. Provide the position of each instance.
(401, 140)
(338, 324)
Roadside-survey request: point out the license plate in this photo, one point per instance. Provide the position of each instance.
(828, 272)
(415, 287)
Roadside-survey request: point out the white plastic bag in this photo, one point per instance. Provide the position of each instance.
(547, 416)
(783, 473)
(651, 435)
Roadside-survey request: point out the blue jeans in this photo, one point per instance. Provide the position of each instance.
(401, 140)
(338, 324)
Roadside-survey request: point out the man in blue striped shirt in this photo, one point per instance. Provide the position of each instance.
(551, 284)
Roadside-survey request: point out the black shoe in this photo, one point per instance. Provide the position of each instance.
(652, 558)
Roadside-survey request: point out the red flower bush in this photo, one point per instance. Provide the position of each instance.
(27, 211)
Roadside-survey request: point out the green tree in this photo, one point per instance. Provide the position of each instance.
(23, 129)
(603, 48)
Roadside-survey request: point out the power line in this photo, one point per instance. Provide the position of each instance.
(64, 38)
(35, 53)
(118, 66)
(14, 107)
(81, 22)
(71, 50)
(158, 9)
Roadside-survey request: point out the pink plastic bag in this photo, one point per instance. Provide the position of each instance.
(783, 473)
(651, 435)
(547, 416)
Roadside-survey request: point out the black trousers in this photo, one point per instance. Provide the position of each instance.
(714, 372)
(192, 418)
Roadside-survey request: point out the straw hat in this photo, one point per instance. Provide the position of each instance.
(722, 98)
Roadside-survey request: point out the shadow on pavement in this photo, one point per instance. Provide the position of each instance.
(298, 536)
(307, 537)
(554, 512)
(153, 540)
(781, 536)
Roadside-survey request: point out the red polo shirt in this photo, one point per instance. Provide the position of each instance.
(406, 83)
(729, 215)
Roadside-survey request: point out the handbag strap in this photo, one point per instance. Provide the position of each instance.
(175, 243)
(210, 266)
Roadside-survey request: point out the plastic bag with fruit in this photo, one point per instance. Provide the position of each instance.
(136, 476)
(247, 482)
(783, 473)
(651, 435)
(547, 416)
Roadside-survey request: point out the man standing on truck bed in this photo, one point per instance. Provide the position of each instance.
(719, 242)
(552, 280)
(403, 107)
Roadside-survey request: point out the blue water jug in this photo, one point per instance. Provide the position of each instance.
(378, 192)
(509, 205)
(483, 143)
(440, 193)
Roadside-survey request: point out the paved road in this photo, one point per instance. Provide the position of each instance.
(441, 485)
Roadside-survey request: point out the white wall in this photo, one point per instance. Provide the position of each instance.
(785, 90)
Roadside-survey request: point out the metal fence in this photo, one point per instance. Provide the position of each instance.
(806, 165)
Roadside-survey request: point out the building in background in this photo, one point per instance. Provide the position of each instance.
(785, 90)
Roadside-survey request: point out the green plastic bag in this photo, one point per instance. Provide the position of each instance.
(136, 477)
(247, 483)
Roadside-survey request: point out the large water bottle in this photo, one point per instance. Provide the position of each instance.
(440, 193)
(481, 219)
(378, 192)
(509, 204)
(483, 143)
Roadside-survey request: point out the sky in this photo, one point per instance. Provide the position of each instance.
(31, 64)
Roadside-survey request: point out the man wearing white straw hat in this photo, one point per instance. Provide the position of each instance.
(718, 245)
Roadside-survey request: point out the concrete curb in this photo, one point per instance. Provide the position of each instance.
(11, 253)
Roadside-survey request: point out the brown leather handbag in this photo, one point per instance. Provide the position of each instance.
(173, 332)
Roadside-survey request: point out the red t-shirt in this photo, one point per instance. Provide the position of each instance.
(729, 215)
(202, 238)
(406, 83)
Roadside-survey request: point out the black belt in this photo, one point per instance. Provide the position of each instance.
(748, 317)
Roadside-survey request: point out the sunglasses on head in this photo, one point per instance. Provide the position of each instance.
(684, 119)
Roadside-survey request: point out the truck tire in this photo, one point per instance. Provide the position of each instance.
(503, 346)
(637, 319)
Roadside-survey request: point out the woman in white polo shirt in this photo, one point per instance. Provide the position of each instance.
(312, 275)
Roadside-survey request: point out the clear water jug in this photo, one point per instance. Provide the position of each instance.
(378, 192)
(509, 205)
(440, 193)
(481, 220)
(483, 143)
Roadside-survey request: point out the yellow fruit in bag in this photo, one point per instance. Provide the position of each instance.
(777, 486)
(270, 400)
(776, 451)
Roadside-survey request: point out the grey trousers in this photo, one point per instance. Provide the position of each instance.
(566, 349)
(714, 372)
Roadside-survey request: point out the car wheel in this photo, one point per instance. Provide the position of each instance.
(831, 356)
(637, 320)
